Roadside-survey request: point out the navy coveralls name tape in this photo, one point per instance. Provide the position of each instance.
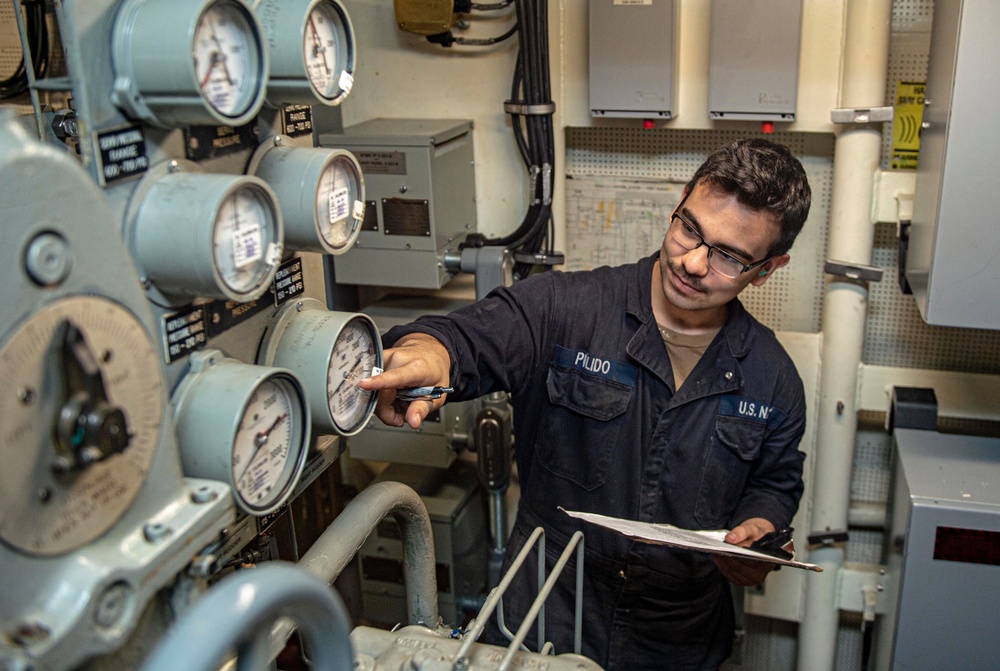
(594, 365)
(751, 409)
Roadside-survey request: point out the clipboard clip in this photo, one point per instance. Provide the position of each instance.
(774, 542)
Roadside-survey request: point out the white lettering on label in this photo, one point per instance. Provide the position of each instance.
(593, 364)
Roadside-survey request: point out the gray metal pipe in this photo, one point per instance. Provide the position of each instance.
(341, 541)
(232, 615)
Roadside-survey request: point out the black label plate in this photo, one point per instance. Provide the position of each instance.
(406, 217)
(297, 120)
(123, 153)
(288, 282)
(184, 332)
(203, 142)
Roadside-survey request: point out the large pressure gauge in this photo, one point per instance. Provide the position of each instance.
(183, 62)
(321, 193)
(197, 234)
(331, 352)
(319, 66)
(245, 425)
(81, 403)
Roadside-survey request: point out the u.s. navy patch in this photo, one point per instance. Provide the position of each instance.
(751, 409)
(595, 365)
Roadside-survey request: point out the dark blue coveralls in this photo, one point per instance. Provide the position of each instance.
(600, 428)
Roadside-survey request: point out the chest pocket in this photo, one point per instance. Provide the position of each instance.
(734, 447)
(580, 431)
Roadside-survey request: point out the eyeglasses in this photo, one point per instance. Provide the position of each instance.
(687, 236)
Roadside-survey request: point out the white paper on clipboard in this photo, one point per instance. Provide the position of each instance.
(666, 534)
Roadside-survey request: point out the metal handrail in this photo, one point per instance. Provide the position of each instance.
(537, 609)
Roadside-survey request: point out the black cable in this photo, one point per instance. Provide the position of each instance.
(490, 7)
(531, 88)
(447, 38)
(37, 33)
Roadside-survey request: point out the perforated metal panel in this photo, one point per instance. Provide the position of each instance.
(792, 299)
(10, 42)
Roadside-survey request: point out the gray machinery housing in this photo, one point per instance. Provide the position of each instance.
(943, 553)
(421, 199)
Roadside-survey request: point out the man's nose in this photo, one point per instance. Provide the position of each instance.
(695, 262)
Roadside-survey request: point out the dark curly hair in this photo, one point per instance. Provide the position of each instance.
(763, 175)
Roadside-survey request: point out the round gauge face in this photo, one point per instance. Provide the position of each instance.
(323, 49)
(45, 508)
(338, 191)
(242, 234)
(226, 52)
(355, 354)
(268, 443)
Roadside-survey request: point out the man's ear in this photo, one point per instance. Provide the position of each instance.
(765, 271)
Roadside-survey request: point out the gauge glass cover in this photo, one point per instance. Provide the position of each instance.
(226, 58)
(321, 49)
(242, 233)
(264, 451)
(335, 199)
(354, 356)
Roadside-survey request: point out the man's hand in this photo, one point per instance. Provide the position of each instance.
(745, 572)
(416, 360)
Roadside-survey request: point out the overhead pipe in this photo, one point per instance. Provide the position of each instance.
(857, 153)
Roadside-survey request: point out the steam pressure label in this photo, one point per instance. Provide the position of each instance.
(908, 115)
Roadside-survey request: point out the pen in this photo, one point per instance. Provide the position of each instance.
(418, 393)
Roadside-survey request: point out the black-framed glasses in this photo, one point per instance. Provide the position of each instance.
(687, 236)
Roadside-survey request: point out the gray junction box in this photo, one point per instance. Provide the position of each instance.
(420, 191)
(633, 59)
(754, 60)
(953, 260)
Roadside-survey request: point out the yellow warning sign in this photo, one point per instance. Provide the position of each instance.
(907, 117)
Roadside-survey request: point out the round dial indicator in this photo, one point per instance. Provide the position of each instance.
(340, 202)
(82, 403)
(328, 50)
(243, 424)
(330, 352)
(243, 236)
(264, 450)
(226, 55)
(356, 353)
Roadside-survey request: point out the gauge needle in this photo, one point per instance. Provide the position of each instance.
(318, 49)
(211, 66)
(347, 376)
(260, 440)
(220, 56)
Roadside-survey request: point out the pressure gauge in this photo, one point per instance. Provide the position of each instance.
(82, 404)
(199, 234)
(331, 352)
(182, 62)
(321, 193)
(245, 425)
(319, 66)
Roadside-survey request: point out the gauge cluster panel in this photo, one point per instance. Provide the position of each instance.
(164, 259)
